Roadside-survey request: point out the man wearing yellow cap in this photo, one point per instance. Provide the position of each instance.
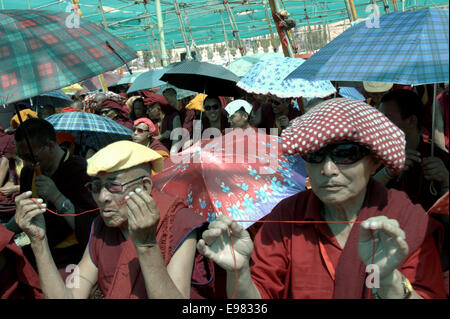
(142, 245)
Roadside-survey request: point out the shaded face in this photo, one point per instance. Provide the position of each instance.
(238, 120)
(108, 113)
(98, 99)
(154, 112)
(213, 109)
(46, 112)
(376, 97)
(139, 109)
(141, 134)
(338, 185)
(171, 98)
(115, 215)
(280, 106)
(392, 112)
(43, 154)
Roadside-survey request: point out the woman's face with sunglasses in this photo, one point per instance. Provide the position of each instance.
(339, 173)
(212, 109)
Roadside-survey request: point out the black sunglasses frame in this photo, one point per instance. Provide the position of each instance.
(108, 185)
(330, 151)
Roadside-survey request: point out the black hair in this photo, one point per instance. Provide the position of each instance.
(38, 130)
(242, 111)
(409, 103)
(170, 91)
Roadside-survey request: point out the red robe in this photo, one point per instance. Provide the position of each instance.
(18, 280)
(119, 273)
(305, 261)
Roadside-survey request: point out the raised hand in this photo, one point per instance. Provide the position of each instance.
(143, 218)
(391, 248)
(29, 216)
(216, 244)
(46, 188)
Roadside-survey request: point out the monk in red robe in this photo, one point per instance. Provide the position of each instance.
(112, 109)
(354, 237)
(141, 246)
(18, 280)
(143, 132)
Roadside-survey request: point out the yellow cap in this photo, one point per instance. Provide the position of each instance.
(122, 155)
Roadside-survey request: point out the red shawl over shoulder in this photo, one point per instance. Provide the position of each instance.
(18, 280)
(289, 259)
(119, 273)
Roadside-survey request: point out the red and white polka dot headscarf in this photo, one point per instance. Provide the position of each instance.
(342, 119)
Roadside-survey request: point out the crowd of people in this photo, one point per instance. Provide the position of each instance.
(372, 176)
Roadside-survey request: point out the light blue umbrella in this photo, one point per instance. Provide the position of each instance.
(181, 94)
(148, 80)
(267, 77)
(128, 78)
(406, 48)
(351, 93)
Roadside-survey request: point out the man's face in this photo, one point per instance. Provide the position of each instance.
(280, 106)
(238, 120)
(154, 112)
(392, 112)
(171, 98)
(46, 112)
(108, 113)
(113, 214)
(139, 109)
(376, 97)
(338, 185)
(213, 109)
(44, 155)
(141, 134)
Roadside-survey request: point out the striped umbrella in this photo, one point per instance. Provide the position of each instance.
(89, 129)
(40, 52)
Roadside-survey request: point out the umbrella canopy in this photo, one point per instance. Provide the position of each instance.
(268, 77)
(39, 53)
(56, 98)
(128, 78)
(203, 77)
(89, 129)
(72, 89)
(93, 84)
(148, 80)
(215, 178)
(407, 48)
(243, 64)
(181, 94)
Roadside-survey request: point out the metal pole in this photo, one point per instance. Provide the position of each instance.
(149, 25)
(287, 50)
(234, 28)
(352, 7)
(386, 6)
(183, 30)
(101, 79)
(3, 6)
(349, 10)
(162, 45)
(225, 38)
(270, 26)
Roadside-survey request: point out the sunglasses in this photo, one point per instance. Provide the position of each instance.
(341, 154)
(139, 130)
(212, 107)
(113, 187)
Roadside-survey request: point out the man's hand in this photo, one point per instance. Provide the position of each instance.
(435, 170)
(391, 248)
(46, 188)
(29, 216)
(216, 244)
(8, 189)
(143, 218)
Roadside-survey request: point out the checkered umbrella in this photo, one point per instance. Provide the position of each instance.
(89, 129)
(41, 51)
(406, 48)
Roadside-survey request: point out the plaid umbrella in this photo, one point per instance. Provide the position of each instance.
(89, 129)
(407, 48)
(39, 53)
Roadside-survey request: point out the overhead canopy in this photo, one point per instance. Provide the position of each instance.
(203, 18)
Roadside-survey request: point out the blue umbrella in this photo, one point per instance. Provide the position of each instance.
(129, 78)
(57, 94)
(181, 94)
(89, 129)
(407, 48)
(351, 93)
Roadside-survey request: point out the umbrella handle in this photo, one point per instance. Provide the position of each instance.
(37, 172)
